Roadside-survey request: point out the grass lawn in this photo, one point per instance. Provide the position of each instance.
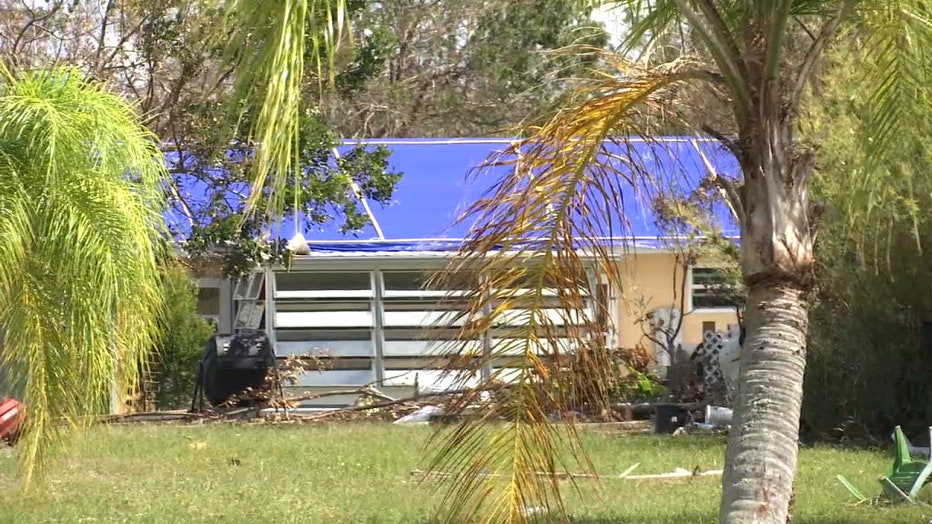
(358, 473)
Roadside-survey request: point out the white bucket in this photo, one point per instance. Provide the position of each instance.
(718, 416)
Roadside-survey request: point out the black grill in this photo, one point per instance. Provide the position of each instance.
(231, 364)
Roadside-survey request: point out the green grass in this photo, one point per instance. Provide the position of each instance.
(357, 473)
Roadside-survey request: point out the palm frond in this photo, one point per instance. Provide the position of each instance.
(269, 43)
(898, 66)
(80, 239)
(651, 21)
(542, 228)
(882, 98)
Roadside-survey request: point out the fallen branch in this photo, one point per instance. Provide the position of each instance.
(145, 415)
(366, 390)
(625, 475)
(386, 404)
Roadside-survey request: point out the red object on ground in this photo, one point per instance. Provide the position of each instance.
(11, 416)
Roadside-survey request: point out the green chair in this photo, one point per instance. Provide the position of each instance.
(905, 477)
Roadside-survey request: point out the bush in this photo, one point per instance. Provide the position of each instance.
(173, 369)
(867, 370)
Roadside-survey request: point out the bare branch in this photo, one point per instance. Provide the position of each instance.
(826, 34)
(32, 22)
(724, 50)
(125, 38)
(804, 27)
(102, 37)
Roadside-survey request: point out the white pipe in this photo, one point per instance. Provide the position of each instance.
(365, 204)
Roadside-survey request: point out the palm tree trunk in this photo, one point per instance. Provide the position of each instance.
(762, 449)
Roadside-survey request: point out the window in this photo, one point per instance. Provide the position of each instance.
(427, 280)
(325, 283)
(710, 288)
(208, 301)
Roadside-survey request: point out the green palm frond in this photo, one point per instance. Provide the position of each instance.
(269, 44)
(566, 192)
(881, 99)
(899, 34)
(81, 235)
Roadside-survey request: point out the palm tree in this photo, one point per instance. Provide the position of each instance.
(80, 240)
(568, 193)
(745, 60)
(81, 231)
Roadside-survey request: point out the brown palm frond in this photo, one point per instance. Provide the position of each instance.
(546, 228)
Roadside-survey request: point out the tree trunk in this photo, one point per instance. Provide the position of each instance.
(757, 484)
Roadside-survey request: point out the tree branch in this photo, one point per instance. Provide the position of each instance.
(379, 405)
(724, 50)
(804, 27)
(33, 21)
(732, 197)
(729, 143)
(102, 38)
(828, 31)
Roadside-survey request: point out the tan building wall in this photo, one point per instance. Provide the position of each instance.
(649, 284)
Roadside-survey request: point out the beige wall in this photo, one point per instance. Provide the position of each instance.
(648, 285)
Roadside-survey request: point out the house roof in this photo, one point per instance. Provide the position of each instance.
(439, 182)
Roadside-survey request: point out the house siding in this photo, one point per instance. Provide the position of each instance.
(389, 349)
(647, 285)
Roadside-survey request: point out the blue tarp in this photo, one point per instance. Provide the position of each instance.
(439, 182)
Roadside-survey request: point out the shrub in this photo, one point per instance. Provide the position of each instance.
(867, 371)
(173, 368)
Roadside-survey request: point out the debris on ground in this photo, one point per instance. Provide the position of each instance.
(625, 475)
(717, 420)
(270, 405)
(421, 416)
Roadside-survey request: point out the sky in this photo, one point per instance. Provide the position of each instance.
(611, 16)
